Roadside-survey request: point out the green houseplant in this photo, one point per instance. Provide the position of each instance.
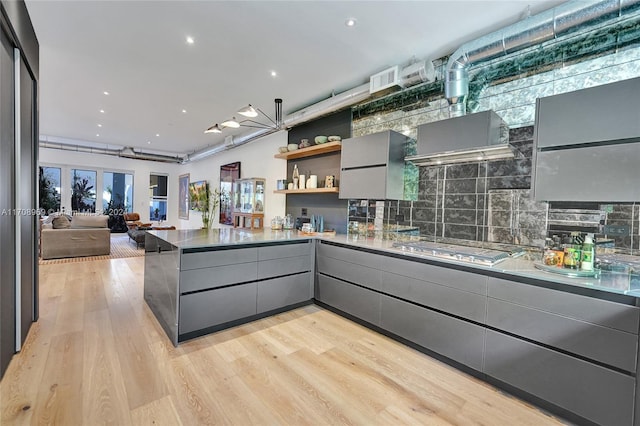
(205, 201)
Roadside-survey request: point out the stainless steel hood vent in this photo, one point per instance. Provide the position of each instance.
(482, 136)
(488, 153)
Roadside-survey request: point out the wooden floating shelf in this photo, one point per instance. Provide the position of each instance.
(311, 150)
(308, 191)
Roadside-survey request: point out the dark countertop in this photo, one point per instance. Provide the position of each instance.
(610, 282)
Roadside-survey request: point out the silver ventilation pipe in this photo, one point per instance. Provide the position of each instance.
(552, 23)
(327, 106)
(126, 152)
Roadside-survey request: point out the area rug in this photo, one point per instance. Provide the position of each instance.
(121, 246)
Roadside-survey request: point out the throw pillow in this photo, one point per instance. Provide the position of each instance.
(61, 222)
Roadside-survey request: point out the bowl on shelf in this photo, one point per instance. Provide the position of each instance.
(283, 149)
(334, 138)
(320, 139)
(292, 146)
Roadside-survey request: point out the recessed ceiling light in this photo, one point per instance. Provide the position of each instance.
(274, 74)
(184, 111)
(149, 142)
(101, 111)
(190, 40)
(157, 135)
(351, 22)
(97, 134)
(99, 125)
(106, 93)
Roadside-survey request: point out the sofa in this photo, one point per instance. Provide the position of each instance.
(75, 237)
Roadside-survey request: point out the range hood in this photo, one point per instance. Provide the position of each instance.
(482, 136)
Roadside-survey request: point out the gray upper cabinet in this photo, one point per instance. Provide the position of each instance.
(372, 166)
(588, 144)
(604, 113)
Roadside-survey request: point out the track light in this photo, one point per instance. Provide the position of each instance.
(214, 129)
(250, 111)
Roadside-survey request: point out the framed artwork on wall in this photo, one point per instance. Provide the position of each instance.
(183, 196)
(228, 173)
(199, 195)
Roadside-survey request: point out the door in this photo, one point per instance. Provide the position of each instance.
(7, 203)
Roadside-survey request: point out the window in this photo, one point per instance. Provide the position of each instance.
(117, 192)
(83, 190)
(50, 179)
(158, 197)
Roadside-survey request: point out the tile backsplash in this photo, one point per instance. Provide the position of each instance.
(491, 202)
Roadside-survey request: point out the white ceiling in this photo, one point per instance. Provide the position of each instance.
(137, 51)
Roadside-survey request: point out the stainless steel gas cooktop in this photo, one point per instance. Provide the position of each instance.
(452, 252)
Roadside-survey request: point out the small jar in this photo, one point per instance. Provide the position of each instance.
(276, 223)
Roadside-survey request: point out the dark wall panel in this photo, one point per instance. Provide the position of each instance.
(7, 203)
(338, 124)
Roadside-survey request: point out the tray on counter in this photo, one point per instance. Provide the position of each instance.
(572, 273)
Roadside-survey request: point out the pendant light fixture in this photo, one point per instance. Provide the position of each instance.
(214, 129)
(252, 112)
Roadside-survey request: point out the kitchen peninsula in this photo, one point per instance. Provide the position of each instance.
(555, 340)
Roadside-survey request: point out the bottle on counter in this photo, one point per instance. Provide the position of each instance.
(588, 253)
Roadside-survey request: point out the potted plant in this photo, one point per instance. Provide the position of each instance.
(206, 202)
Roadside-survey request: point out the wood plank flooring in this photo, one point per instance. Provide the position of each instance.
(98, 356)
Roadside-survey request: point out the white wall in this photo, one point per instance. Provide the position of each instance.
(140, 170)
(256, 160)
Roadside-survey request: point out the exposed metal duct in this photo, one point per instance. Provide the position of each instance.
(568, 17)
(327, 106)
(126, 152)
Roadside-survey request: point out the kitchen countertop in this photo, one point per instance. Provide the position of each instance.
(516, 267)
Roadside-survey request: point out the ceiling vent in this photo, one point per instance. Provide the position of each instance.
(418, 72)
(384, 80)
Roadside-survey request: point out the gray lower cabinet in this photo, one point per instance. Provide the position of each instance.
(596, 393)
(217, 306)
(465, 304)
(217, 276)
(456, 339)
(357, 301)
(358, 274)
(285, 291)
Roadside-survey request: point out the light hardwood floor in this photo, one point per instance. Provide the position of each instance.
(97, 356)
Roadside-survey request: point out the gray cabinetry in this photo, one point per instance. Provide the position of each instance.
(215, 307)
(372, 166)
(601, 395)
(604, 173)
(285, 291)
(454, 338)
(207, 287)
(599, 330)
(357, 301)
(597, 114)
(587, 144)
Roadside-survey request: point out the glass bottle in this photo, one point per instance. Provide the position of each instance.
(295, 176)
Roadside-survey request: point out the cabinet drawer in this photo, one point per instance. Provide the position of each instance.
(366, 150)
(574, 167)
(456, 339)
(354, 300)
(461, 280)
(351, 255)
(285, 291)
(609, 346)
(201, 279)
(207, 259)
(461, 303)
(600, 395)
(288, 250)
(210, 308)
(362, 275)
(585, 308)
(283, 266)
(369, 183)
